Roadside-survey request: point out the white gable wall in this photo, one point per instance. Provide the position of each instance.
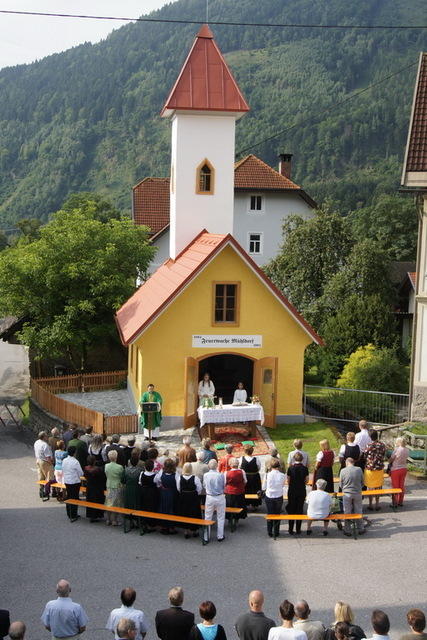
(268, 221)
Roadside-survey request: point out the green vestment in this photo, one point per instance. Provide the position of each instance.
(155, 418)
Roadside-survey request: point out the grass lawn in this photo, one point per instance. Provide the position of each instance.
(310, 433)
(26, 409)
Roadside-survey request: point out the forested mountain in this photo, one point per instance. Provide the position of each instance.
(87, 119)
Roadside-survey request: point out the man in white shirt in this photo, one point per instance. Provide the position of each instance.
(363, 438)
(380, 624)
(298, 449)
(72, 472)
(127, 610)
(274, 482)
(214, 483)
(319, 506)
(44, 460)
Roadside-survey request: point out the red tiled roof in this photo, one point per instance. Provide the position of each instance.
(154, 295)
(151, 203)
(151, 198)
(205, 81)
(253, 173)
(416, 148)
(413, 278)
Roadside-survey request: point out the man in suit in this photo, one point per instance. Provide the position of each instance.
(174, 623)
(4, 623)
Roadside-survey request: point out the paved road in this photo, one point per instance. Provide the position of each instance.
(387, 568)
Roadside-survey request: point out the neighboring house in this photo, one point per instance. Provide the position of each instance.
(263, 198)
(405, 305)
(414, 179)
(209, 307)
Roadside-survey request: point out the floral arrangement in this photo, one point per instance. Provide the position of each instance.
(255, 400)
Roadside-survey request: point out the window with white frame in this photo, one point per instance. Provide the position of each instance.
(256, 203)
(255, 243)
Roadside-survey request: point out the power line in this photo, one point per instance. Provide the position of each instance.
(216, 23)
(327, 109)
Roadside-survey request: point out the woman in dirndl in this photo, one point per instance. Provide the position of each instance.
(324, 466)
(374, 468)
(166, 482)
(235, 483)
(252, 467)
(114, 497)
(95, 488)
(148, 495)
(189, 490)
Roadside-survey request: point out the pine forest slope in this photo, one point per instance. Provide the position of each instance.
(88, 118)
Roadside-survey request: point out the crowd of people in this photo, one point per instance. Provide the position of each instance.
(64, 618)
(140, 478)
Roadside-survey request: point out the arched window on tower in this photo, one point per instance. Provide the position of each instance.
(205, 178)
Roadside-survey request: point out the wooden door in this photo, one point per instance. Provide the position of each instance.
(265, 383)
(190, 391)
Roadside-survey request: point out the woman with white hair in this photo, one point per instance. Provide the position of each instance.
(189, 490)
(114, 498)
(398, 470)
(235, 484)
(319, 506)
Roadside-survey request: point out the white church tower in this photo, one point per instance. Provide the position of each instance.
(203, 106)
(414, 179)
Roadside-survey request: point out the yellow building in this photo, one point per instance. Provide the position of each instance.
(210, 308)
(213, 310)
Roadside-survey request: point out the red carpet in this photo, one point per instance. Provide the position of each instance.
(233, 434)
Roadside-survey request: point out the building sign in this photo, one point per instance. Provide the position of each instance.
(227, 342)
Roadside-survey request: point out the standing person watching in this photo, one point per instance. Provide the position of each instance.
(417, 623)
(186, 453)
(235, 482)
(349, 450)
(324, 465)
(214, 484)
(374, 467)
(351, 481)
(274, 482)
(207, 629)
(174, 623)
(251, 465)
(44, 460)
(380, 624)
(343, 613)
(128, 611)
(114, 498)
(314, 629)
(72, 473)
(126, 629)
(362, 439)
(399, 469)
(298, 444)
(297, 480)
(254, 625)
(286, 631)
(17, 630)
(80, 445)
(63, 617)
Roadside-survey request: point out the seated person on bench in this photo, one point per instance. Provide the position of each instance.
(319, 506)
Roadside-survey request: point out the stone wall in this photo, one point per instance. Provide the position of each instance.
(41, 420)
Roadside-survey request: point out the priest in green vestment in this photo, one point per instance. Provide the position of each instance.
(151, 422)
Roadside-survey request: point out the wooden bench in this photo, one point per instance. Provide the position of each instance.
(102, 507)
(147, 515)
(234, 512)
(334, 516)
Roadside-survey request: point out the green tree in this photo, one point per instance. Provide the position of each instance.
(374, 369)
(313, 251)
(92, 204)
(392, 222)
(29, 228)
(68, 283)
(360, 320)
(365, 273)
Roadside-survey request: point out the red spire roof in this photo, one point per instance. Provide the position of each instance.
(205, 82)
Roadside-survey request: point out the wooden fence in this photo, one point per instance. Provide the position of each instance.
(67, 411)
(42, 393)
(84, 382)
